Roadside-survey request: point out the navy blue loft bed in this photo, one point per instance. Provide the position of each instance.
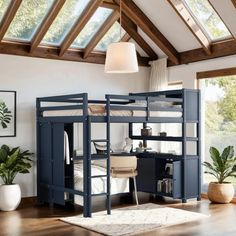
(55, 179)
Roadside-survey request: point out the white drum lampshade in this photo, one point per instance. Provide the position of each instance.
(121, 58)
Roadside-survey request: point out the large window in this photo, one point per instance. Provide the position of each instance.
(70, 12)
(218, 117)
(27, 19)
(208, 19)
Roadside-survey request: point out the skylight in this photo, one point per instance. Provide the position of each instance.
(3, 7)
(112, 36)
(208, 19)
(92, 27)
(27, 19)
(65, 20)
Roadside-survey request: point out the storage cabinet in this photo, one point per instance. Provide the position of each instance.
(177, 176)
(159, 176)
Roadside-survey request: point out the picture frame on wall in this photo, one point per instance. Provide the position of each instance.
(7, 113)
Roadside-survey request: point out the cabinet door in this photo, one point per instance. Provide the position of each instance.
(146, 179)
(177, 179)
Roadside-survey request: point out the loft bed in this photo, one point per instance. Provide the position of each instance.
(59, 182)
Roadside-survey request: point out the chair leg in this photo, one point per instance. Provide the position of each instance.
(135, 190)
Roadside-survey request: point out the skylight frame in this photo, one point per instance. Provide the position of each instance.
(34, 31)
(202, 27)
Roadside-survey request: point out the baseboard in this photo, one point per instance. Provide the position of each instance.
(204, 195)
(28, 202)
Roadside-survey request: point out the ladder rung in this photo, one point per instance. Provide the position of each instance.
(98, 176)
(99, 194)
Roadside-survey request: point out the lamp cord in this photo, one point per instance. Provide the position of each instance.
(120, 20)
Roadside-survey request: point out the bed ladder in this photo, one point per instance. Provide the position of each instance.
(87, 169)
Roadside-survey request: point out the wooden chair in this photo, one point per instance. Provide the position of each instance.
(124, 167)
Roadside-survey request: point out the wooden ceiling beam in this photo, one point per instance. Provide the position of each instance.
(101, 32)
(234, 2)
(110, 5)
(22, 49)
(127, 25)
(43, 28)
(8, 17)
(79, 25)
(190, 22)
(220, 49)
(142, 21)
(125, 38)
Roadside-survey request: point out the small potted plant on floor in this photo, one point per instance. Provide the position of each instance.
(223, 166)
(12, 162)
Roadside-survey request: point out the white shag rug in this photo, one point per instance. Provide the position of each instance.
(134, 220)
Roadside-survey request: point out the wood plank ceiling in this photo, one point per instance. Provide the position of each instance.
(132, 19)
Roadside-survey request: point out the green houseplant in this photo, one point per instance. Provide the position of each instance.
(12, 162)
(223, 166)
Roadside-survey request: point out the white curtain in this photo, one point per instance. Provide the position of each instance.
(158, 82)
(159, 75)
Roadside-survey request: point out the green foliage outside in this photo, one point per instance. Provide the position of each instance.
(211, 21)
(223, 165)
(29, 15)
(220, 117)
(12, 162)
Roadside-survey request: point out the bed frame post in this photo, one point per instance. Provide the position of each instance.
(199, 151)
(108, 203)
(87, 159)
(38, 149)
(184, 150)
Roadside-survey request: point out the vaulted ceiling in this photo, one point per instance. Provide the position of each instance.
(185, 31)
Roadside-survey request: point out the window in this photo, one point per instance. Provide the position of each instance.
(92, 27)
(27, 19)
(112, 36)
(218, 117)
(3, 7)
(65, 20)
(208, 19)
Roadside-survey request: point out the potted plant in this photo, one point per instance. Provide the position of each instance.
(12, 162)
(223, 166)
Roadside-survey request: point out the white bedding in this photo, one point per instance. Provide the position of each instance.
(98, 184)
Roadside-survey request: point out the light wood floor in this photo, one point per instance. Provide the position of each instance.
(41, 220)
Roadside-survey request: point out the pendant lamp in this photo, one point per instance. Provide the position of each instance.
(121, 57)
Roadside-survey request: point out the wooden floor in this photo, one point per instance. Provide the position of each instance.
(41, 220)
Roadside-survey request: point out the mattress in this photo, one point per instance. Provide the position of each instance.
(99, 110)
(120, 185)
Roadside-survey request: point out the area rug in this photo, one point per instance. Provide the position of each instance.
(134, 220)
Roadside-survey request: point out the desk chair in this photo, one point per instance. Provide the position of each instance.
(124, 167)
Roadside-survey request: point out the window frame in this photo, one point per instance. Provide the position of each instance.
(201, 26)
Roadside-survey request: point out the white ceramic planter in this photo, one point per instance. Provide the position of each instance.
(220, 193)
(10, 197)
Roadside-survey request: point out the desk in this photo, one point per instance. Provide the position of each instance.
(151, 171)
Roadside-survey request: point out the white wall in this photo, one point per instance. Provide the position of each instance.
(32, 77)
(187, 73)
